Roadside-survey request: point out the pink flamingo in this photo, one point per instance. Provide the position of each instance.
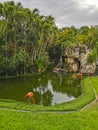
(30, 96)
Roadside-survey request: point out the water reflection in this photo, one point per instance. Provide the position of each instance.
(44, 94)
(57, 89)
(49, 90)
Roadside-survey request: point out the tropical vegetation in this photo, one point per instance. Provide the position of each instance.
(28, 40)
(24, 39)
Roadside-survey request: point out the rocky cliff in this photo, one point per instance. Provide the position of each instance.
(76, 60)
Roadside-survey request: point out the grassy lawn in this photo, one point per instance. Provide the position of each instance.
(48, 121)
(79, 120)
(94, 83)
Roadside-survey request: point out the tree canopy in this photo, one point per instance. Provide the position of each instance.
(28, 39)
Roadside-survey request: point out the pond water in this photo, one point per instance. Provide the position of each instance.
(48, 88)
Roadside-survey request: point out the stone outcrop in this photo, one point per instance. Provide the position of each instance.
(76, 60)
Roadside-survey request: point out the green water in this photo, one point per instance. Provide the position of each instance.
(48, 88)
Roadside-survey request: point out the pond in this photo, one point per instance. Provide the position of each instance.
(48, 88)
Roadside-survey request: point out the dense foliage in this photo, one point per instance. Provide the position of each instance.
(24, 39)
(29, 40)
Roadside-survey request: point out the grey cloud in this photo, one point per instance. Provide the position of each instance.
(65, 12)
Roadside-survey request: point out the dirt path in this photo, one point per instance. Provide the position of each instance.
(39, 111)
(92, 104)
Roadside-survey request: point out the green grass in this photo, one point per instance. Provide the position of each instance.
(79, 120)
(94, 82)
(10, 120)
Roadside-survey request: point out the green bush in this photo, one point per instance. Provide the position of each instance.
(92, 56)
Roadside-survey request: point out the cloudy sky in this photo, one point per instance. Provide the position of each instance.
(66, 12)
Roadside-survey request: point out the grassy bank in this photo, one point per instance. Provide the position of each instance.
(94, 83)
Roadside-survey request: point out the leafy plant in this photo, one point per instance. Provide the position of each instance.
(42, 63)
(92, 56)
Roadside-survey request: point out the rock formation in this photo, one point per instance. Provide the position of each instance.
(76, 60)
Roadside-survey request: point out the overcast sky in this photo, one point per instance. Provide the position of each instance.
(66, 12)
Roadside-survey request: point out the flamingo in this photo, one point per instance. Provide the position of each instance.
(30, 96)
